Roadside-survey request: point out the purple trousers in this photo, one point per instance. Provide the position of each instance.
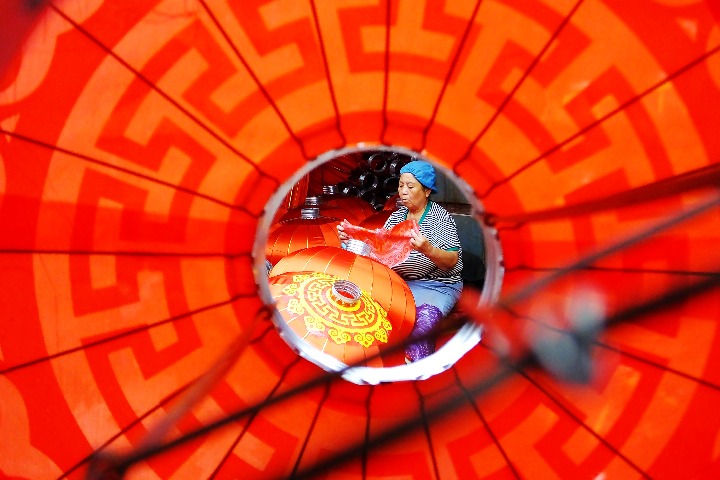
(426, 318)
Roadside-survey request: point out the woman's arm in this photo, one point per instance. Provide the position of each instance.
(444, 259)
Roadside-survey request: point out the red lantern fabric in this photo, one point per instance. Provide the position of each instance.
(356, 208)
(388, 247)
(17, 19)
(299, 233)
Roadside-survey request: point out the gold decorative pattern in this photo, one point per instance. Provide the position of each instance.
(363, 323)
(295, 307)
(313, 325)
(339, 336)
(292, 288)
(364, 339)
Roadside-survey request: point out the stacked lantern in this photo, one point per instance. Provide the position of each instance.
(355, 207)
(309, 230)
(344, 303)
(378, 219)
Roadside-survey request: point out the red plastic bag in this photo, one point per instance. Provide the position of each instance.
(388, 247)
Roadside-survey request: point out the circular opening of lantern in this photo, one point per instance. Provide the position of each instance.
(346, 292)
(343, 305)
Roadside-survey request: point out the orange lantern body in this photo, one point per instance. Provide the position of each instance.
(335, 316)
(296, 234)
(381, 283)
(378, 219)
(356, 206)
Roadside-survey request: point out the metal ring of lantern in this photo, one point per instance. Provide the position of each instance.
(390, 185)
(378, 162)
(396, 164)
(364, 179)
(346, 292)
(347, 189)
(374, 197)
(357, 246)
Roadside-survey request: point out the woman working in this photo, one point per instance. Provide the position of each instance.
(433, 268)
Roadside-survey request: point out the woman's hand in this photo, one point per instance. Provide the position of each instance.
(342, 235)
(419, 242)
(444, 259)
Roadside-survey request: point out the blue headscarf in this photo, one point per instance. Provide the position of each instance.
(423, 172)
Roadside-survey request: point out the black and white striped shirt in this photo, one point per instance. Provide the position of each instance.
(440, 229)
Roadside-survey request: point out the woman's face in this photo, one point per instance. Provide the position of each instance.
(412, 194)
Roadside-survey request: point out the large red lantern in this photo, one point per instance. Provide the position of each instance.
(354, 264)
(378, 219)
(357, 207)
(337, 317)
(364, 330)
(380, 282)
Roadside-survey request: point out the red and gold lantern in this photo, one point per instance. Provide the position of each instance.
(380, 283)
(335, 316)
